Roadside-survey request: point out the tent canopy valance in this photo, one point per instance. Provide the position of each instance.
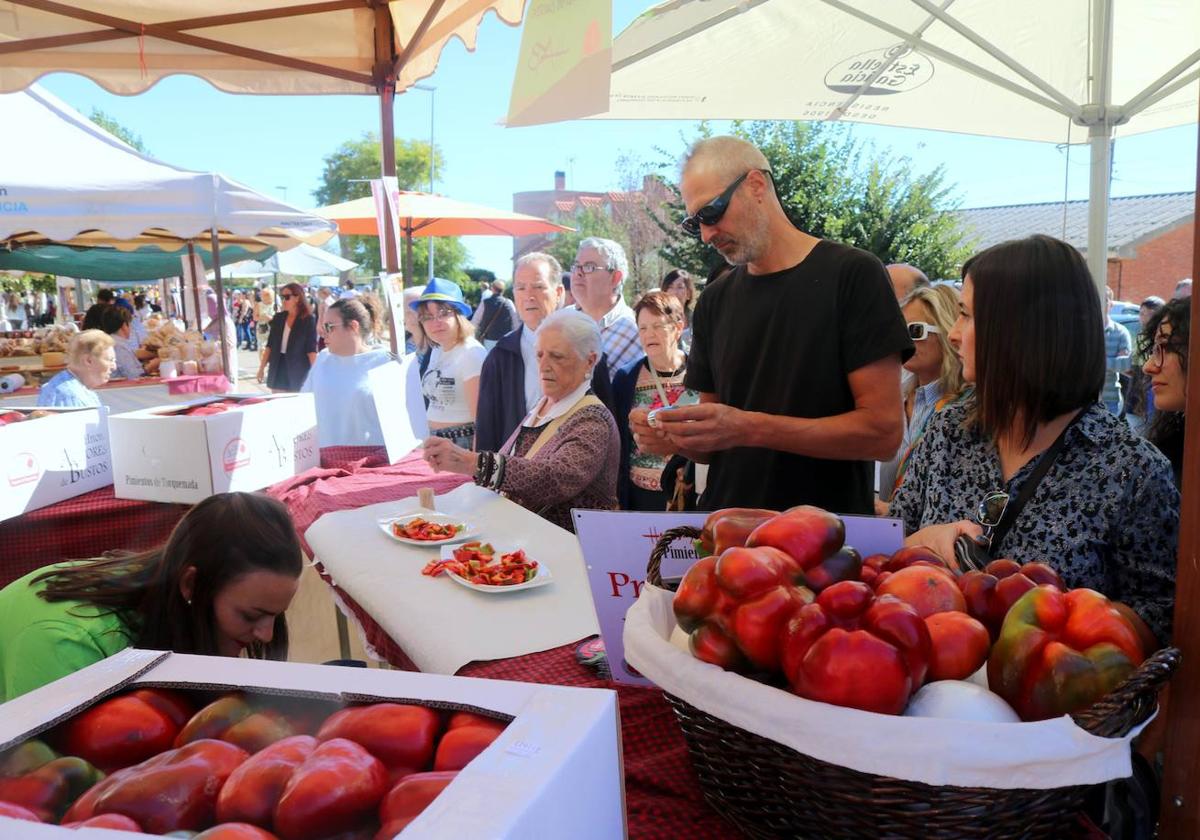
(239, 46)
(145, 264)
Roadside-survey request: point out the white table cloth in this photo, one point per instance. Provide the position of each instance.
(438, 623)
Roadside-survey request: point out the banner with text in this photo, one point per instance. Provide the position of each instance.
(616, 546)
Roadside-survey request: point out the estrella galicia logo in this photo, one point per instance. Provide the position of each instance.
(900, 69)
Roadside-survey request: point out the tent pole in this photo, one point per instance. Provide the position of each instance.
(409, 268)
(221, 331)
(1100, 140)
(1180, 800)
(1100, 126)
(195, 285)
(387, 133)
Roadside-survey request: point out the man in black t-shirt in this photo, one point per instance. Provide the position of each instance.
(796, 351)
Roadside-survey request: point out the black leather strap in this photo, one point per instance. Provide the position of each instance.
(1015, 506)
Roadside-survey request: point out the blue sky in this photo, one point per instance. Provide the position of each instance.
(277, 144)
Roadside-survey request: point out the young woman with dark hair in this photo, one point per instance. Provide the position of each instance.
(340, 381)
(1075, 487)
(679, 283)
(1164, 345)
(292, 343)
(219, 586)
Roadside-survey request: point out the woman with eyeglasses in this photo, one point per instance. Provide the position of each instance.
(937, 380)
(339, 380)
(650, 383)
(1164, 343)
(450, 379)
(1032, 466)
(292, 343)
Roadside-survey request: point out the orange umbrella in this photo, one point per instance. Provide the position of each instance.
(426, 214)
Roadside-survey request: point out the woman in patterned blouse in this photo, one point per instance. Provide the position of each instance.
(1106, 514)
(564, 454)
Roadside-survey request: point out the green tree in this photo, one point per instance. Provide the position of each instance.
(119, 131)
(347, 175)
(833, 186)
(588, 222)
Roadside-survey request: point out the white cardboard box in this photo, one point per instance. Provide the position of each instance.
(554, 772)
(163, 457)
(50, 459)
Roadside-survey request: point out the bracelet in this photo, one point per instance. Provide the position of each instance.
(485, 466)
(501, 466)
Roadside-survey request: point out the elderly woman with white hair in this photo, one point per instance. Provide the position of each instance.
(566, 451)
(90, 363)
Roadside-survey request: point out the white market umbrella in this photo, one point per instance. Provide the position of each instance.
(301, 261)
(1058, 71)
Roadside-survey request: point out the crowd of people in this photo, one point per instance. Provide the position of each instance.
(1001, 412)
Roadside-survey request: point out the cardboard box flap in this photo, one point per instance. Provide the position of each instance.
(30, 714)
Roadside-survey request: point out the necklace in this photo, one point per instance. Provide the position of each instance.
(667, 373)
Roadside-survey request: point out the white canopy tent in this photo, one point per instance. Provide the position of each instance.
(1060, 72)
(65, 180)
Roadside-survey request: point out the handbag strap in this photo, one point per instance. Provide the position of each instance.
(1013, 509)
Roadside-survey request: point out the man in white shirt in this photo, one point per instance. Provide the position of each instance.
(596, 280)
(509, 383)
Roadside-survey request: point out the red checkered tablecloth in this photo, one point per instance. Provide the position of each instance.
(662, 794)
(353, 477)
(85, 526)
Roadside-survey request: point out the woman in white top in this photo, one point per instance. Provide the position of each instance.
(338, 380)
(451, 379)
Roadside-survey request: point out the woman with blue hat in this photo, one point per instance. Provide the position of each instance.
(451, 379)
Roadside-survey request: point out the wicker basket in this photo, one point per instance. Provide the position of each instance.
(770, 790)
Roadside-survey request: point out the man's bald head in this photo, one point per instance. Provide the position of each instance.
(725, 157)
(905, 278)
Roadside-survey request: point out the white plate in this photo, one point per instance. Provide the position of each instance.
(466, 533)
(543, 574)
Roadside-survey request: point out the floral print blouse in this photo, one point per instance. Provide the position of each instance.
(1105, 516)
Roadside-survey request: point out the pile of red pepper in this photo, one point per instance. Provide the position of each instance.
(779, 597)
(241, 767)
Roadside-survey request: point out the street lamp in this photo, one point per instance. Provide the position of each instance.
(431, 90)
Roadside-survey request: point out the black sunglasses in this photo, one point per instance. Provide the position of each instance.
(712, 212)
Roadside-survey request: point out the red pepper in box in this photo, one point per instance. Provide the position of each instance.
(737, 605)
(459, 746)
(729, 528)
(991, 593)
(401, 736)
(234, 719)
(172, 791)
(113, 822)
(128, 729)
(405, 802)
(1059, 652)
(235, 831)
(852, 649)
(252, 790)
(337, 788)
(50, 790)
(17, 812)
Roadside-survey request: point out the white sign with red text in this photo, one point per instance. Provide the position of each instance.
(616, 546)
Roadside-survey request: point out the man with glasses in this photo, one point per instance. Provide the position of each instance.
(596, 280)
(796, 351)
(510, 383)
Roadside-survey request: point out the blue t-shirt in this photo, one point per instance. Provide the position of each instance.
(346, 413)
(65, 391)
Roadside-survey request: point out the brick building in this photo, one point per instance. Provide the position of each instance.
(1149, 236)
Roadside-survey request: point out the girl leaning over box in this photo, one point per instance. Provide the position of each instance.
(219, 586)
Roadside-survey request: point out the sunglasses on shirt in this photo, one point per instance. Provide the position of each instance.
(712, 212)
